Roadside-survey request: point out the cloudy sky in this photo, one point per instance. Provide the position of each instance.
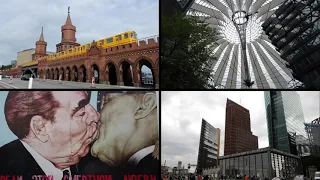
(21, 21)
(181, 114)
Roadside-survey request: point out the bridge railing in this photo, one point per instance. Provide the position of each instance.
(155, 37)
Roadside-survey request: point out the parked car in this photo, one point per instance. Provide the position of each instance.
(26, 77)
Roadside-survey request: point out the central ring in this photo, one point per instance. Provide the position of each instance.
(240, 17)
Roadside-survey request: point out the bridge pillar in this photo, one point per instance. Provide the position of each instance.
(136, 75)
(120, 74)
(107, 76)
(156, 77)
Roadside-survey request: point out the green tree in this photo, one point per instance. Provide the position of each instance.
(187, 45)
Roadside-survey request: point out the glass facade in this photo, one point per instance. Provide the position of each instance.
(294, 29)
(285, 122)
(262, 163)
(208, 146)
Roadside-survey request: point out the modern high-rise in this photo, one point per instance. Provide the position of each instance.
(294, 29)
(209, 146)
(169, 7)
(285, 120)
(179, 164)
(238, 135)
(313, 132)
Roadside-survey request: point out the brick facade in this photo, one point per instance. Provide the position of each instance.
(238, 135)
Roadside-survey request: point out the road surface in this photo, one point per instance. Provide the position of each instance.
(55, 84)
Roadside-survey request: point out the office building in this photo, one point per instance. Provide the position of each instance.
(313, 132)
(285, 121)
(169, 7)
(179, 164)
(294, 29)
(25, 56)
(238, 135)
(209, 146)
(261, 163)
(14, 62)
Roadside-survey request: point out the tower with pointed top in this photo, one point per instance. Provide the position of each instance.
(41, 48)
(68, 39)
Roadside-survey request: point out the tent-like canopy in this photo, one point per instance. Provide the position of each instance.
(266, 68)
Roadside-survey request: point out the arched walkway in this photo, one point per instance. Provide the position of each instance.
(95, 71)
(62, 74)
(68, 74)
(83, 72)
(57, 74)
(75, 73)
(41, 74)
(145, 73)
(111, 73)
(47, 74)
(126, 73)
(52, 74)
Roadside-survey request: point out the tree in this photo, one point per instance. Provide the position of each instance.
(187, 45)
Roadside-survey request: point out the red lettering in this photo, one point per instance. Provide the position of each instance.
(139, 176)
(19, 177)
(107, 177)
(125, 177)
(34, 177)
(89, 176)
(152, 177)
(13, 178)
(145, 177)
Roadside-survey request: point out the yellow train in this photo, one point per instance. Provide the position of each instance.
(119, 39)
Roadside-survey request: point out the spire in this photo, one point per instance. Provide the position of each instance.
(41, 36)
(68, 18)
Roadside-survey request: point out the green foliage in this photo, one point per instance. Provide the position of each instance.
(3, 67)
(187, 44)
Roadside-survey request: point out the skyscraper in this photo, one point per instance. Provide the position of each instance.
(285, 120)
(209, 146)
(238, 135)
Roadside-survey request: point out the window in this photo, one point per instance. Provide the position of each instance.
(83, 47)
(133, 35)
(117, 47)
(123, 46)
(109, 40)
(118, 38)
(130, 45)
(126, 35)
(75, 49)
(78, 49)
(111, 49)
(88, 46)
(70, 50)
(101, 42)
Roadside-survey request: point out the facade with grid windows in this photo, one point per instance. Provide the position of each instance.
(209, 146)
(261, 163)
(294, 29)
(285, 120)
(238, 135)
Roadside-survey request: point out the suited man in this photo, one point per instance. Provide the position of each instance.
(54, 131)
(128, 134)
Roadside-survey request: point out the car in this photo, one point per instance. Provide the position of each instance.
(25, 77)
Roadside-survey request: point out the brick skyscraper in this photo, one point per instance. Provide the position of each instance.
(238, 135)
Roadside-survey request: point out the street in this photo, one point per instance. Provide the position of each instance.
(55, 84)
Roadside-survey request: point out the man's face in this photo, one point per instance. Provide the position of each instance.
(75, 123)
(117, 126)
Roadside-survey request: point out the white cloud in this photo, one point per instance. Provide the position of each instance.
(21, 21)
(181, 114)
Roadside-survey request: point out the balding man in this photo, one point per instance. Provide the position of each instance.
(54, 131)
(128, 134)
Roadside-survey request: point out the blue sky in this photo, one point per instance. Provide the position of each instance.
(21, 21)
(6, 134)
